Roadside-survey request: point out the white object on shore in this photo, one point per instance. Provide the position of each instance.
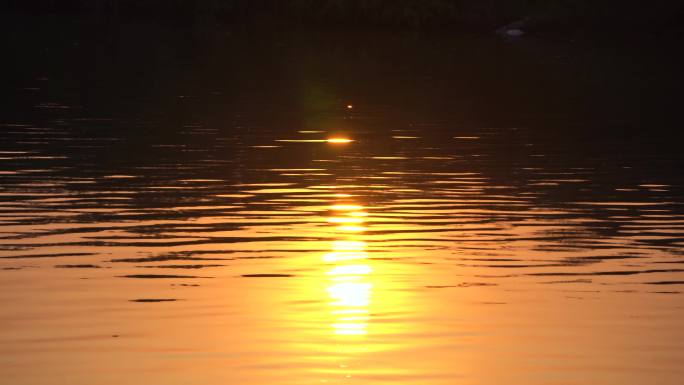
(514, 32)
(514, 29)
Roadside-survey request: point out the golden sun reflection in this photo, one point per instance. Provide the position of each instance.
(351, 228)
(339, 140)
(348, 245)
(345, 220)
(349, 287)
(346, 304)
(346, 207)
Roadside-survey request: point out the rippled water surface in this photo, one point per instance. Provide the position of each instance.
(258, 229)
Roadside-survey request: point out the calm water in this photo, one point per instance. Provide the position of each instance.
(293, 211)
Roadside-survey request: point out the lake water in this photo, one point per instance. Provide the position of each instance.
(338, 210)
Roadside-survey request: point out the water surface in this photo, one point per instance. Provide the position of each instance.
(299, 212)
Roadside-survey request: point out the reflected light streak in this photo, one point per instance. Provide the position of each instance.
(348, 245)
(350, 294)
(346, 207)
(345, 220)
(339, 140)
(348, 289)
(338, 256)
(350, 270)
(351, 229)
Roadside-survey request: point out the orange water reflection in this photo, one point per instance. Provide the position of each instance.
(339, 140)
(350, 282)
(342, 319)
(437, 276)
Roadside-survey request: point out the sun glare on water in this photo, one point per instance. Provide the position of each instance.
(339, 140)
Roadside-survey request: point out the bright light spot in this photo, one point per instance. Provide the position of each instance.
(348, 311)
(346, 278)
(350, 270)
(339, 140)
(337, 256)
(344, 220)
(346, 207)
(349, 325)
(350, 294)
(348, 245)
(351, 229)
(349, 332)
(349, 106)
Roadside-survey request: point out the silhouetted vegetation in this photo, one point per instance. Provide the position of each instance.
(549, 15)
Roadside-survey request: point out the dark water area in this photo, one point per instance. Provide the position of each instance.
(250, 205)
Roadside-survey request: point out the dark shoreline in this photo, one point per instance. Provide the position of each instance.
(559, 19)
